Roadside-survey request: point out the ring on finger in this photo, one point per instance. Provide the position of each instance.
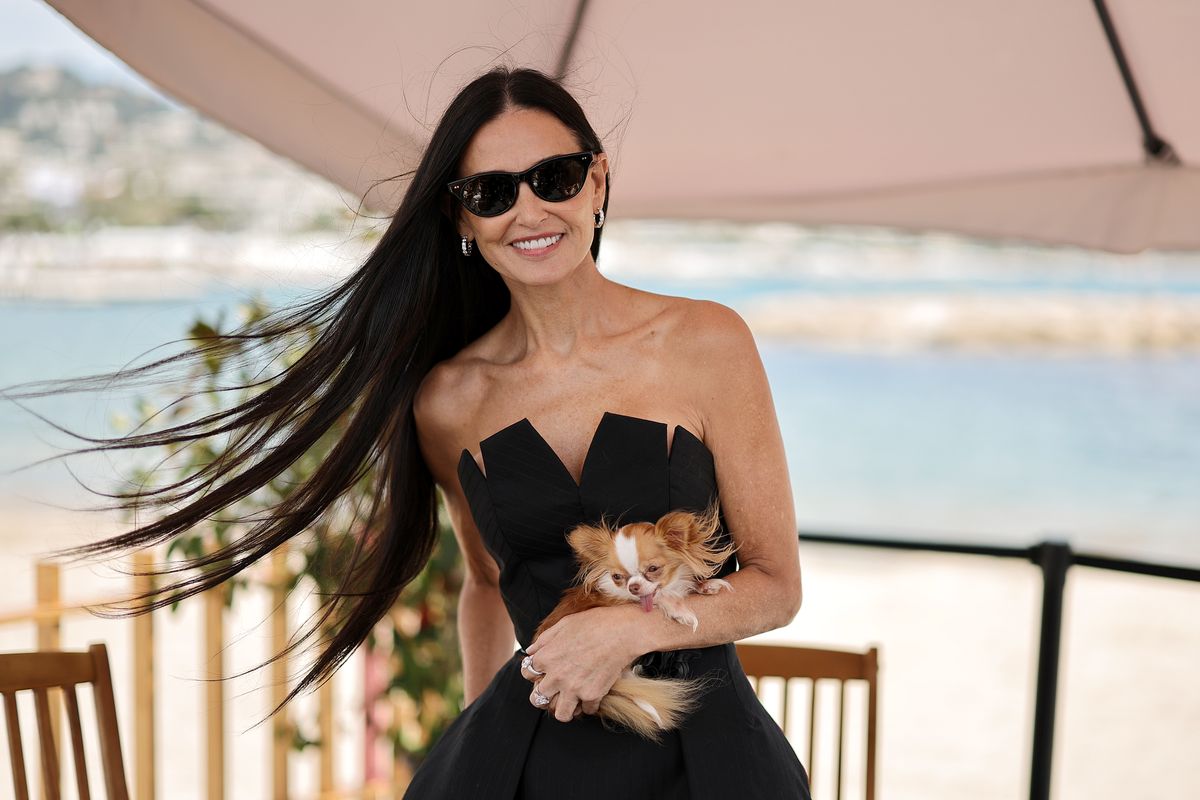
(540, 699)
(527, 663)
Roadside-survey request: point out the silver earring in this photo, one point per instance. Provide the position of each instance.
(600, 218)
(466, 246)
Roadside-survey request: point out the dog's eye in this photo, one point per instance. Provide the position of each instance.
(652, 568)
(618, 577)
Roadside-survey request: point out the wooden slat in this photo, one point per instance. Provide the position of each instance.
(143, 686)
(280, 729)
(49, 637)
(44, 670)
(80, 759)
(872, 702)
(46, 746)
(16, 752)
(783, 717)
(812, 726)
(214, 717)
(841, 735)
(787, 661)
(106, 720)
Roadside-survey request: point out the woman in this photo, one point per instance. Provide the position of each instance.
(481, 305)
(593, 370)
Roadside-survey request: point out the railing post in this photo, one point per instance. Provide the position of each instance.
(325, 725)
(143, 686)
(214, 691)
(1055, 559)
(281, 732)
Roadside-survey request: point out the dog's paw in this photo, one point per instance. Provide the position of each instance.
(684, 617)
(713, 585)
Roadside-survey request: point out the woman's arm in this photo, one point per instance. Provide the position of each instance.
(485, 635)
(485, 632)
(722, 368)
(741, 428)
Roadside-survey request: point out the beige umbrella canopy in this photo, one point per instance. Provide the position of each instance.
(1041, 120)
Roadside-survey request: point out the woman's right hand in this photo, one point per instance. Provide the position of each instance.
(530, 672)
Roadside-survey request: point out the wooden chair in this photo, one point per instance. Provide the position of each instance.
(781, 661)
(38, 672)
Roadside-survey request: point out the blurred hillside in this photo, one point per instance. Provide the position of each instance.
(76, 156)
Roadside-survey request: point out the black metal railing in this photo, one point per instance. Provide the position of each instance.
(1054, 558)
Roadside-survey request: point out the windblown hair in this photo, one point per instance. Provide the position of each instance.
(415, 301)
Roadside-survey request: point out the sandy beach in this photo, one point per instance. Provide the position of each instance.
(1044, 322)
(957, 638)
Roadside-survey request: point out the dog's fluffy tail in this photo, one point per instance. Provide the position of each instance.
(649, 706)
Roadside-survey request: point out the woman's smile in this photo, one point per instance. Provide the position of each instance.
(536, 248)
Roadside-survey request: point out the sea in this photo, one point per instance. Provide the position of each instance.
(1097, 450)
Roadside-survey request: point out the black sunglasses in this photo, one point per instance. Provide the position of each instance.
(489, 194)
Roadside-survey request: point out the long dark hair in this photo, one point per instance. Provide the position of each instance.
(416, 300)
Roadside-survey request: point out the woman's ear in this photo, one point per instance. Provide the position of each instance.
(599, 177)
(460, 223)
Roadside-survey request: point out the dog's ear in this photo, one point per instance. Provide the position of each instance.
(679, 529)
(590, 542)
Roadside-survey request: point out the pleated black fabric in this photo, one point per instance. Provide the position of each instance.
(501, 747)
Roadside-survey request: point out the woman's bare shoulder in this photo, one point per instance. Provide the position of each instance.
(714, 324)
(708, 346)
(446, 402)
(698, 327)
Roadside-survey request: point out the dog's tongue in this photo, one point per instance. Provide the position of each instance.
(647, 602)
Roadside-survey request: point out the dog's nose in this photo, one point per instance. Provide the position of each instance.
(635, 587)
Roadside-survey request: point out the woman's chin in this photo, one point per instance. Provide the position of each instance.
(543, 272)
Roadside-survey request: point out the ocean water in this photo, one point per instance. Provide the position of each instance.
(1101, 451)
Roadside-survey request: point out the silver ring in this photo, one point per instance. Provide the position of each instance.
(527, 663)
(540, 699)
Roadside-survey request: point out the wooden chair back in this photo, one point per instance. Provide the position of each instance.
(39, 672)
(787, 662)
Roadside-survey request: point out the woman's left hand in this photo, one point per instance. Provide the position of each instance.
(582, 655)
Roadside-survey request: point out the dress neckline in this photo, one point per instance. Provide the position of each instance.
(604, 417)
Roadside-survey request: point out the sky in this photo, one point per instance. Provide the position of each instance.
(31, 32)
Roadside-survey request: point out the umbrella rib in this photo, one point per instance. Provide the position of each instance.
(1157, 148)
(564, 58)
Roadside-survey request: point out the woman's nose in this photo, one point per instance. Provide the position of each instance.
(528, 203)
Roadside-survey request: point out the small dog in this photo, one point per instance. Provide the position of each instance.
(652, 564)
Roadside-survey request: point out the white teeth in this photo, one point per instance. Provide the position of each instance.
(537, 244)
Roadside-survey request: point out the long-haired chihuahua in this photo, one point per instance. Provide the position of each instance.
(654, 565)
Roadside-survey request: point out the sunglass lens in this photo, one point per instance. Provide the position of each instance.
(489, 195)
(560, 179)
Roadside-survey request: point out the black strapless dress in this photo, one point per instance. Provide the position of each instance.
(501, 747)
